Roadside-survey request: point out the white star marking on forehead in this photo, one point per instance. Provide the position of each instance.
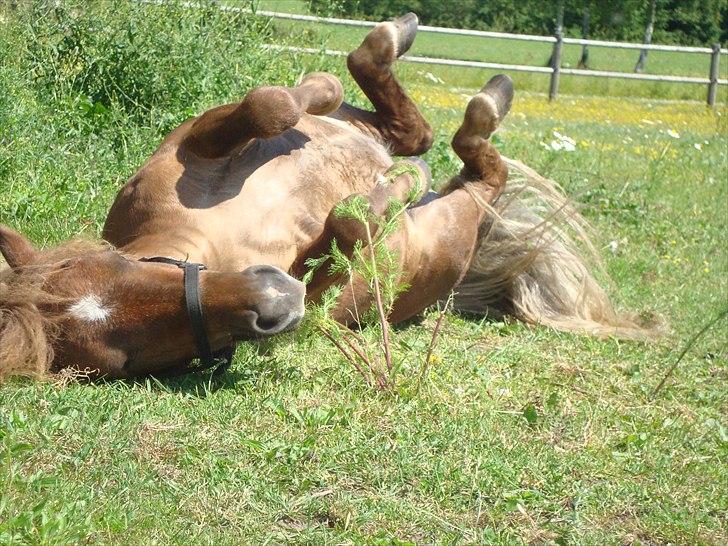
(90, 309)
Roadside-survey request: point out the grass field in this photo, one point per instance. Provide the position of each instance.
(516, 434)
(344, 38)
(531, 54)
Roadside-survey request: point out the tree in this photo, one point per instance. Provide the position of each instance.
(686, 22)
(649, 29)
(584, 60)
(559, 28)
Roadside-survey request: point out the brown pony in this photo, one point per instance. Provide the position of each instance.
(256, 182)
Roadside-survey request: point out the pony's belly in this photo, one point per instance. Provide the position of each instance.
(282, 205)
(266, 204)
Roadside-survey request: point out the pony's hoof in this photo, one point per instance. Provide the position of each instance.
(488, 107)
(325, 93)
(406, 31)
(385, 43)
(500, 89)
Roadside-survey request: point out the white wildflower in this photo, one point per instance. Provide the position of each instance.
(430, 76)
(698, 146)
(568, 146)
(562, 142)
(673, 134)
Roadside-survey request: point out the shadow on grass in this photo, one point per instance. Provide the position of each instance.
(251, 360)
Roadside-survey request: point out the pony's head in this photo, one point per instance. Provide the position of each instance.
(88, 306)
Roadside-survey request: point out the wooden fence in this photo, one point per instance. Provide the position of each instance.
(712, 81)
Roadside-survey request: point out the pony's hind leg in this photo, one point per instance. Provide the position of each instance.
(444, 233)
(264, 113)
(482, 164)
(396, 120)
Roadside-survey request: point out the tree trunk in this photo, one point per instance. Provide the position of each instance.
(640, 66)
(560, 18)
(559, 27)
(584, 61)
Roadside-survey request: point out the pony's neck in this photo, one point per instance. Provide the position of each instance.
(173, 245)
(195, 246)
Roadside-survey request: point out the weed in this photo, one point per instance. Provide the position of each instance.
(372, 262)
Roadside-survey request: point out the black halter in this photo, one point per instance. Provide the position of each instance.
(219, 361)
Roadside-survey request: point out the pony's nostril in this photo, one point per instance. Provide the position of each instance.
(278, 300)
(264, 324)
(273, 325)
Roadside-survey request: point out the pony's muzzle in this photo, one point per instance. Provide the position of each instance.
(280, 301)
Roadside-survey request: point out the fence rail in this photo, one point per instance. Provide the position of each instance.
(483, 33)
(501, 66)
(712, 81)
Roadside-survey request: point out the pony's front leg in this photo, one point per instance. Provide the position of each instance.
(398, 183)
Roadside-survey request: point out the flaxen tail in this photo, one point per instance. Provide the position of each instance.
(535, 263)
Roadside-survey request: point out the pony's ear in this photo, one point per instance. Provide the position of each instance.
(16, 249)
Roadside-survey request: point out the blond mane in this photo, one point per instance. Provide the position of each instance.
(536, 263)
(27, 333)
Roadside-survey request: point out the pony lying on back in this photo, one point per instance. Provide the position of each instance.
(204, 244)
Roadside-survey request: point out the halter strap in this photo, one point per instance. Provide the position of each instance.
(220, 361)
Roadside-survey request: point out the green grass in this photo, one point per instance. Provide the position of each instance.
(284, 6)
(517, 434)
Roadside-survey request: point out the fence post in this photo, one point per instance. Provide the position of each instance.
(556, 66)
(713, 85)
